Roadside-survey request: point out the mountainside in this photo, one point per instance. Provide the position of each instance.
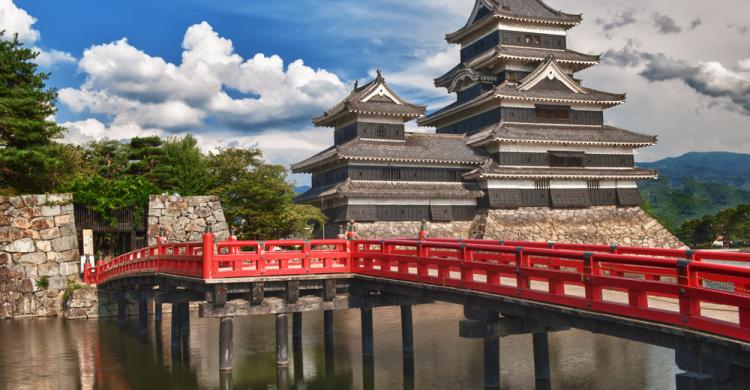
(695, 185)
(709, 167)
(301, 189)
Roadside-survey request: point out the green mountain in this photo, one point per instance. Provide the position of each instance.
(695, 185)
(710, 167)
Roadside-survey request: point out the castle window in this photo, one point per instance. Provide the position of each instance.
(391, 174)
(542, 184)
(381, 132)
(553, 113)
(566, 159)
(594, 184)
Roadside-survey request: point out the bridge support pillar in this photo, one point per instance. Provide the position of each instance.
(158, 311)
(368, 348)
(407, 330)
(226, 328)
(492, 355)
(328, 340)
(122, 311)
(176, 326)
(142, 313)
(707, 369)
(541, 361)
(296, 328)
(282, 340)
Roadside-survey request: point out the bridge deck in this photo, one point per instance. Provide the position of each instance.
(686, 289)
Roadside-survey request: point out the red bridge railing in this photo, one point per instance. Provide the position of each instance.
(677, 287)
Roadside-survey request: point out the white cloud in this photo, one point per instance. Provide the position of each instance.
(16, 21)
(47, 58)
(213, 83)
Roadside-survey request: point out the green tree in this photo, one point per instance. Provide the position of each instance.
(109, 159)
(146, 159)
(30, 161)
(257, 194)
(185, 169)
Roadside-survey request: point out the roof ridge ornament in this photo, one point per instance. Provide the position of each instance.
(356, 85)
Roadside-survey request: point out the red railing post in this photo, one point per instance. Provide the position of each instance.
(87, 272)
(208, 255)
(423, 233)
(593, 293)
(522, 261)
(689, 307)
(98, 274)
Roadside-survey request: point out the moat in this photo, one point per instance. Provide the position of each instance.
(53, 353)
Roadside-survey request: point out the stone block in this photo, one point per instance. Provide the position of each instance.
(42, 223)
(34, 200)
(69, 268)
(50, 211)
(32, 234)
(66, 256)
(48, 269)
(68, 230)
(5, 220)
(64, 244)
(58, 282)
(67, 209)
(5, 258)
(9, 234)
(30, 212)
(26, 286)
(219, 215)
(21, 223)
(24, 245)
(27, 305)
(60, 198)
(49, 234)
(52, 256)
(203, 212)
(16, 202)
(44, 246)
(65, 219)
(33, 258)
(156, 205)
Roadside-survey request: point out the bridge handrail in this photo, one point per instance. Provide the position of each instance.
(510, 268)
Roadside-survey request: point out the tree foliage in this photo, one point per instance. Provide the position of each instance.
(256, 197)
(28, 156)
(731, 225)
(185, 170)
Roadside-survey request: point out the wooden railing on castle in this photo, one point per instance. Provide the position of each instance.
(701, 290)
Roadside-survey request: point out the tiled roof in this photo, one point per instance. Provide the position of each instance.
(395, 189)
(533, 9)
(558, 95)
(519, 10)
(417, 147)
(521, 132)
(386, 107)
(493, 170)
(565, 56)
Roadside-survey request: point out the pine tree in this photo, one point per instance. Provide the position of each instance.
(30, 160)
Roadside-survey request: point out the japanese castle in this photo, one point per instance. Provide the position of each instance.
(523, 132)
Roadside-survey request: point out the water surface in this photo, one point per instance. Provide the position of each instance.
(58, 354)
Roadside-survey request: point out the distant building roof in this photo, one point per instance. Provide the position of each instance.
(395, 190)
(374, 98)
(568, 134)
(415, 148)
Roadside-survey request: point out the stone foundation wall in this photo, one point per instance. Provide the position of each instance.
(185, 219)
(38, 247)
(598, 225)
(456, 229)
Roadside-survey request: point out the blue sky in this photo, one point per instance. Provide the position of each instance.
(252, 73)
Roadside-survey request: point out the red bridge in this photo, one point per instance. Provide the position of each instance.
(697, 302)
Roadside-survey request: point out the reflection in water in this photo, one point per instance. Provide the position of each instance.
(100, 355)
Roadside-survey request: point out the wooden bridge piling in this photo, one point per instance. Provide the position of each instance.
(328, 342)
(142, 313)
(368, 348)
(282, 339)
(226, 348)
(491, 355)
(296, 329)
(175, 327)
(158, 311)
(407, 330)
(541, 361)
